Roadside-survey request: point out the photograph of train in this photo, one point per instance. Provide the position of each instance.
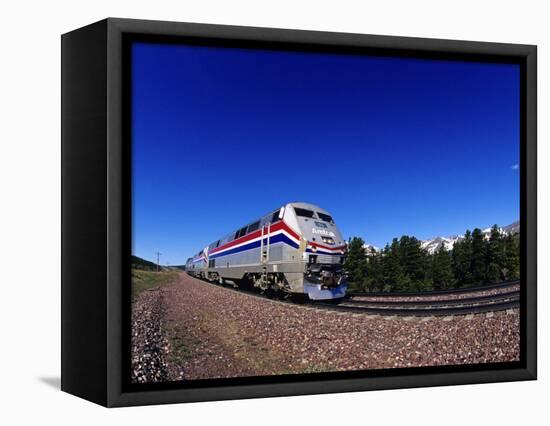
(296, 250)
(306, 212)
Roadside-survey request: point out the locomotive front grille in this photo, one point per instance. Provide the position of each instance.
(328, 275)
(328, 259)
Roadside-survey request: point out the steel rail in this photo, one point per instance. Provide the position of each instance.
(427, 307)
(437, 292)
(464, 310)
(465, 300)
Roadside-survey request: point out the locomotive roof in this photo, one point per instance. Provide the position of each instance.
(309, 206)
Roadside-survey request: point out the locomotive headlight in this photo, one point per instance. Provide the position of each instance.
(328, 240)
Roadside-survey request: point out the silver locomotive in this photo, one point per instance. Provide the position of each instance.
(297, 250)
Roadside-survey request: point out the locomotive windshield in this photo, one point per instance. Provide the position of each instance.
(325, 217)
(303, 212)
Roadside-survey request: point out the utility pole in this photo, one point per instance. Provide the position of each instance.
(158, 260)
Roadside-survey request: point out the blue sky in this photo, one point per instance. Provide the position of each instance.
(389, 146)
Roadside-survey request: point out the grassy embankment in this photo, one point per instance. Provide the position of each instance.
(146, 280)
(143, 280)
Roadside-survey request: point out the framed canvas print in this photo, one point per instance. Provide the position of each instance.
(253, 212)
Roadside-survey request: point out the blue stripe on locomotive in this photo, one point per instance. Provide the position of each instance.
(275, 239)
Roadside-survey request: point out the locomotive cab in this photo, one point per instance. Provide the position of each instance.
(323, 251)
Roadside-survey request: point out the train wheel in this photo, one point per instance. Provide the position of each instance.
(269, 293)
(299, 298)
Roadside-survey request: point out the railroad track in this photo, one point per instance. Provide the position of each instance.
(424, 311)
(465, 306)
(450, 291)
(491, 298)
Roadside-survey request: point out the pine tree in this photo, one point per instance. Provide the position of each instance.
(355, 263)
(415, 263)
(511, 257)
(457, 256)
(392, 270)
(404, 266)
(373, 278)
(495, 256)
(493, 273)
(479, 252)
(462, 260)
(442, 271)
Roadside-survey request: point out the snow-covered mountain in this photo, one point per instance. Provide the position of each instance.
(369, 248)
(433, 244)
(513, 228)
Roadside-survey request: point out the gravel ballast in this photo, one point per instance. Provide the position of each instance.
(200, 330)
(149, 344)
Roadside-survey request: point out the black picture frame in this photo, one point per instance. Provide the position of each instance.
(96, 229)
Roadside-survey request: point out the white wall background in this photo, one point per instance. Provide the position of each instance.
(30, 210)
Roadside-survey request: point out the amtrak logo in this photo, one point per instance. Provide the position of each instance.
(322, 232)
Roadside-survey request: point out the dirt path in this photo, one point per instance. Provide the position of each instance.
(213, 332)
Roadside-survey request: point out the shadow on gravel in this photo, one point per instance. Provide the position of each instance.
(54, 382)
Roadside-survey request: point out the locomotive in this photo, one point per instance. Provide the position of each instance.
(296, 250)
